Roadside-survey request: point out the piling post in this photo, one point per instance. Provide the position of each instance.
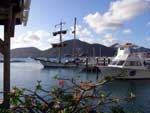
(6, 77)
(104, 61)
(97, 60)
(86, 61)
(108, 60)
(8, 33)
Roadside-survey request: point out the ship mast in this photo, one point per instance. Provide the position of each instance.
(60, 32)
(74, 41)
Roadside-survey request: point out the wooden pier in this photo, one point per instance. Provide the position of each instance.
(93, 64)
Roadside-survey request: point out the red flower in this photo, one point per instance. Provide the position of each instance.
(61, 82)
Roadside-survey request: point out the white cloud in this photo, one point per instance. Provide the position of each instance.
(84, 34)
(53, 40)
(118, 12)
(127, 31)
(99, 24)
(43, 40)
(37, 39)
(108, 39)
(148, 39)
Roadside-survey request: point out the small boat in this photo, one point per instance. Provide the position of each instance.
(128, 64)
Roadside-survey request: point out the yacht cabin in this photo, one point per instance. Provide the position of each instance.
(126, 58)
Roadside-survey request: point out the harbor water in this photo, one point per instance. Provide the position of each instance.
(26, 74)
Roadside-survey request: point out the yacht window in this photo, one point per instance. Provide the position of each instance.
(114, 62)
(147, 62)
(120, 62)
(133, 63)
(121, 48)
(139, 64)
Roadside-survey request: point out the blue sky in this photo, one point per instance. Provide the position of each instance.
(98, 21)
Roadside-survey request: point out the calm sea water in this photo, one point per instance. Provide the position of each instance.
(27, 74)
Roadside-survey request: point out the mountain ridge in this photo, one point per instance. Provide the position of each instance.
(82, 49)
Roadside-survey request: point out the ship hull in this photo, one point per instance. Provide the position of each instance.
(49, 64)
(126, 74)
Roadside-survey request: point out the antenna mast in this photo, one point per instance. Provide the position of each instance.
(60, 32)
(74, 41)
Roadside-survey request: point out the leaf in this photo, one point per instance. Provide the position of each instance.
(115, 100)
(14, 101)
(132, 95)
(102, 94)
(28, 100)
(117, 109)
(66, 111)
(38, 86)
(39, 106)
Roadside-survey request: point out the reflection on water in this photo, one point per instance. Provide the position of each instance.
(140, 88)
(27, 74)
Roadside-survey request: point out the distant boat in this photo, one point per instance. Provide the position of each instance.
(128, 64)
(15, 60)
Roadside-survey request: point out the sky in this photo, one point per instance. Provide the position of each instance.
(98, 21)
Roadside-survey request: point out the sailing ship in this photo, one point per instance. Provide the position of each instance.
(59, 63)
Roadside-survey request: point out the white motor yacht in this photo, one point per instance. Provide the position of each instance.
(128, 64)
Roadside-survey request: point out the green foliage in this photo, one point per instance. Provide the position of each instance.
(117, 109)
(28, 100)
(76, 98)
(115, 100)
(38, 86)
(15, 96)
(4, 111)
